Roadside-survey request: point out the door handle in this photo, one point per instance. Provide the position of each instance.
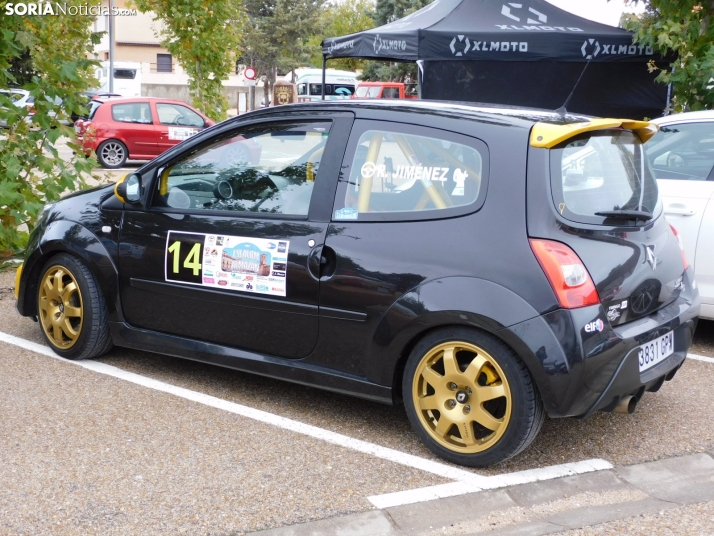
(313, 262)
(321, 262)
(679, 209)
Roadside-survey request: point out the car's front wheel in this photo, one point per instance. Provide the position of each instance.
(112, 154)
(71, 310)
(470, 398)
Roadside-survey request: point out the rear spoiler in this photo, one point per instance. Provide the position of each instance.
(550, 134)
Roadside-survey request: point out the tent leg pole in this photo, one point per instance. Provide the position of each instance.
(324, 75)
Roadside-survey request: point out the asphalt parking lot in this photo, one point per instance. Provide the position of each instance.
(84, 452)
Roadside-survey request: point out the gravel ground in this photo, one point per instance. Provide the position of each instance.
(82, 453)
(199, 476)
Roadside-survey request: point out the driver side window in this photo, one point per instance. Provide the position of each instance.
(175, 114)
(266, 168)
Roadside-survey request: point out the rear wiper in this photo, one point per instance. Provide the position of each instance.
(626, 214)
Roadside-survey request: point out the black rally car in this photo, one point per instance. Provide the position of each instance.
(484, 265)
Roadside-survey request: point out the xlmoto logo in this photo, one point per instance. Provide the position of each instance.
(592, 48)
(460, 46)
(388, 44)
(506, 11)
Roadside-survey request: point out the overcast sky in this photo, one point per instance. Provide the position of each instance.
(598, 10)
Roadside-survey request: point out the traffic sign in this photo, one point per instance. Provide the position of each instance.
(249, 73)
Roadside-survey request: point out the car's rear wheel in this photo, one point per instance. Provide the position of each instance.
(470, 399)
(112, 154)
(71, 310)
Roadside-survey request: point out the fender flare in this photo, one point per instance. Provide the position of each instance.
(63, 236)
(450, 301)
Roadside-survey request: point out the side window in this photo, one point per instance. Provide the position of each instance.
(133, 112)
(683, 152)
(390, 93)
(175, 114)
(262, 168)
(411, 173)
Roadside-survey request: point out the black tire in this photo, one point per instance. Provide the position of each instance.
(112, 154)
(71, 310)
(491, 384)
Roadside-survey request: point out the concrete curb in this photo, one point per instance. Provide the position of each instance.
(537, 508)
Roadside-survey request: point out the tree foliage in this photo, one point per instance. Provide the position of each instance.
(686, 28)
(343, 18)
(205, 39)
(278, 35)
(54, 70)
(388, 11)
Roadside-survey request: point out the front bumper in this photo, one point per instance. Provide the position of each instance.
(580, 369)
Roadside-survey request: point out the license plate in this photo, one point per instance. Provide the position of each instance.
(655, 351)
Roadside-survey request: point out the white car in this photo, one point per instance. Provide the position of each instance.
(682, 155)
(22, 97)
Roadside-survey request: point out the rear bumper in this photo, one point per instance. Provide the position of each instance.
(580, 370)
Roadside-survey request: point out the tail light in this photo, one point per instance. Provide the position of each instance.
(681, 247)
(567, 274)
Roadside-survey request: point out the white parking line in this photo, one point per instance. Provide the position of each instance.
(466, 481)
(701, 358)
(430, 493)
(358, 445)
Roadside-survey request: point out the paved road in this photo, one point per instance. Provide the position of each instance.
(84, 452)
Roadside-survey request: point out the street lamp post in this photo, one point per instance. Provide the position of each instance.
(111, 46)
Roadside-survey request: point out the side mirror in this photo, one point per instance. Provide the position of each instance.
(128, 189)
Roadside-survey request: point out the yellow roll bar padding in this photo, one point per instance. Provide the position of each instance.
(549, 134)
(18, 275)
(365, 187)
(116, 193)
(476, 175)
(428, 185)
(310, 168)
(164, 182)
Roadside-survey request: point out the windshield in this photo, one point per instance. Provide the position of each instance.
(124, 74)
(602, 172)
(93, 107)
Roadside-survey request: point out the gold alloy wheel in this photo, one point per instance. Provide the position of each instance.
(60, 307)
(462, 397)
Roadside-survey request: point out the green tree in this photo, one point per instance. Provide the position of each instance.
(343, 18)
(278, 35)
(55, 71)
(205, 39)
(687, 29)
(388, 11)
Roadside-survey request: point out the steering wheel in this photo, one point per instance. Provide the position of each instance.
(179, 120)
(268, 183)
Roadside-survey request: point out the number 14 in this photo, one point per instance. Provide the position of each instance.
(191, 262)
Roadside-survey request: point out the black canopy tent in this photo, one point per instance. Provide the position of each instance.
(527, 53)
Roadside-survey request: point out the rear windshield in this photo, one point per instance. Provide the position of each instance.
(599, 172)
(93, 106)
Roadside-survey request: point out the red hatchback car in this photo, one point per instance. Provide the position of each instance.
(139, 128)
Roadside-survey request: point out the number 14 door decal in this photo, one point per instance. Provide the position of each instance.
(227, 262)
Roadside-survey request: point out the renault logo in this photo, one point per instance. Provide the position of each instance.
(651, 259)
